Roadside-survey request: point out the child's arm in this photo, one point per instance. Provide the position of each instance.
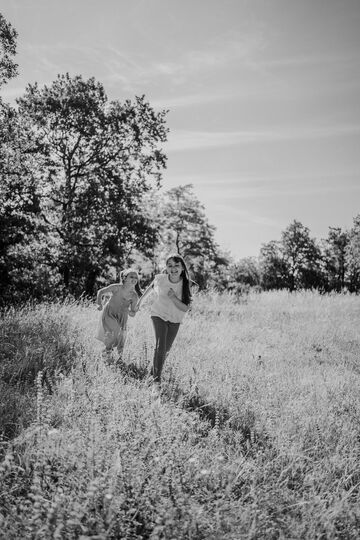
(147, 292)
(178, 303)
(134, 306)
(104, 290)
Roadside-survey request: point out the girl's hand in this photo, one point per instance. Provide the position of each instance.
(171, 294)
(99, 308)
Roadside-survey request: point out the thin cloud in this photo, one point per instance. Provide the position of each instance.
(192, 140)
(230, 191)
(310, 60)
(241, 193)
(133, 70)
(221, 53)
(216, 55)
(237, 216)
(212, 179)
(191, 100)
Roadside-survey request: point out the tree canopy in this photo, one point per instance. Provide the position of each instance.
(353, 256)
(185, 229)
(88, 163)
(8, 37)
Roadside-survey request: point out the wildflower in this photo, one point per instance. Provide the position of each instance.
(108, 496)
(204, 472)
(192, 460)
(53, 431)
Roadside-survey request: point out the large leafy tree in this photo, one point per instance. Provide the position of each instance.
(97, 161)
(186, 230)
(238, 276)
(21, 254)
(244, 272)
(274, 268)
(8, 36)
(353, 256)
(294, 262)
(334, 249)
(23, 246)
(302, 257)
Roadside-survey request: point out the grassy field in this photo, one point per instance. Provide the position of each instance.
(256, 436)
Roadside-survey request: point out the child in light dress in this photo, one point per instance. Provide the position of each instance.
(124, 297)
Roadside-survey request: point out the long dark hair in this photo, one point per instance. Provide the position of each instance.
(125, 273)
(186, 291)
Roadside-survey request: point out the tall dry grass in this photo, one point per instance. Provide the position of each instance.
(257, 434)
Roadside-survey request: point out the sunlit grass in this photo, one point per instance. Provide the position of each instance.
(257, 434)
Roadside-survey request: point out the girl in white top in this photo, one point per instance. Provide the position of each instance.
(172, 300)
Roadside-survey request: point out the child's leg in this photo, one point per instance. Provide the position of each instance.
(109, 341)
(173, 329)
(161, 330)
(121, 338)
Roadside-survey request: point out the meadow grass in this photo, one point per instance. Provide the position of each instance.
(256, 436)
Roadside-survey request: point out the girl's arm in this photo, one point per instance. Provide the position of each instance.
(134, 306)
(178, 303)
(148, 291)
(105, 290)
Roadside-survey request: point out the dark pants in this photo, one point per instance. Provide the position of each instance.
(165, 333)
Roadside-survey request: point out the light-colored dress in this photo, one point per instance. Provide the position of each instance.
(113, 320)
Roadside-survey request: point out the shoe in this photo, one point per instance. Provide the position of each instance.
(156, 389)
(107, 356)
(119, 362)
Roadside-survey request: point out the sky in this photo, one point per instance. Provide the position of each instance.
(263, 98)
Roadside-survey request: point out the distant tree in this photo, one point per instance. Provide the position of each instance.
(213, 273)
(97, 159)
(245, 273)
(334, 249)
(274, 269)
(8, 36)
(353, 256)
(302, 257)
(185, 229)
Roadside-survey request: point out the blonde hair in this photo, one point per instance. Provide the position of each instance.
(124, 274)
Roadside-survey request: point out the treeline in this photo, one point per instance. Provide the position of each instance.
(80, 199)
(298, 261)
